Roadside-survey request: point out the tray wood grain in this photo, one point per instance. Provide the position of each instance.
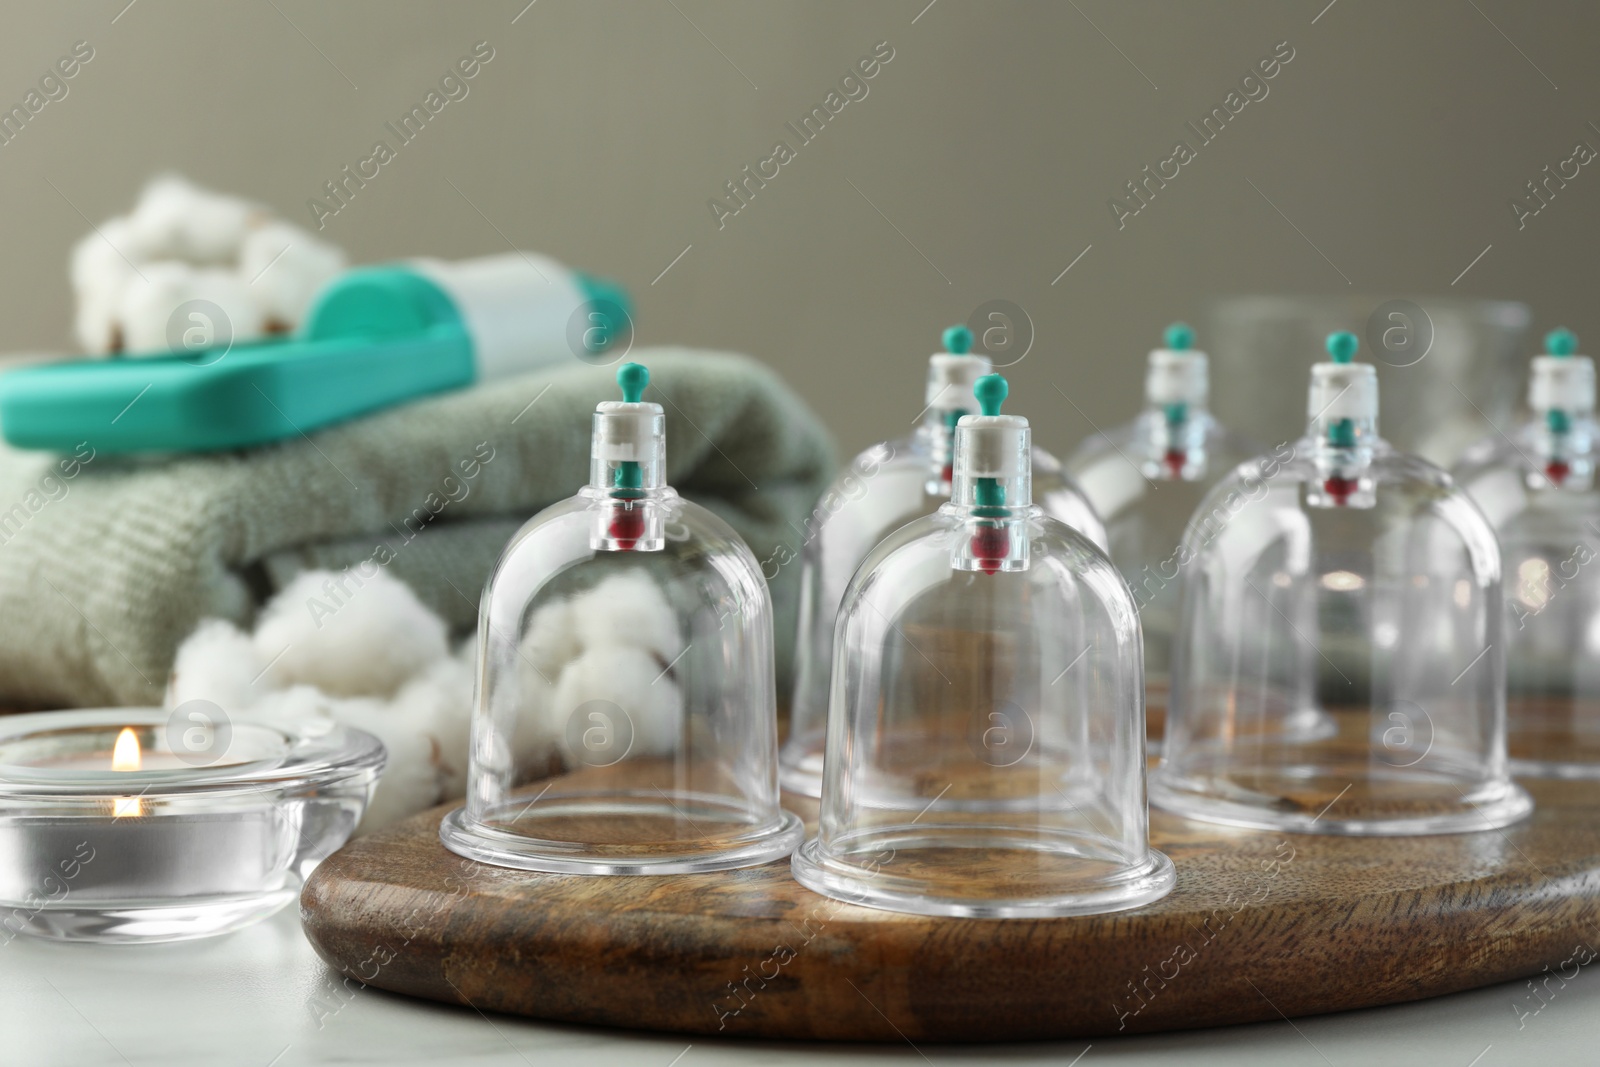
(1259, 924)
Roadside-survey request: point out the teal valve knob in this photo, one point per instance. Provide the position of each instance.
(1179, 337)
(991, 391)
(1342, 346)
(633, 378)
(958, 340)
(1560, 342)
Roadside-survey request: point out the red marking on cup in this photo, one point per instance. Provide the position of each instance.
(626, 526)
(990, 547)
(1340, 488)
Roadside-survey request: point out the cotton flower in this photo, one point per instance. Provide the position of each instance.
(628, 609)
(217, 663)
(285, 267)
(176, 219)
(615, 702)
(550, 642)
(102, 264)
(145, 314)
(181, 243)
(592, 684)
(410, 781)
(440, 698)
(349, 635)
(603, 658)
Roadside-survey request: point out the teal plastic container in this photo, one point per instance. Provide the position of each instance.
(375, 337)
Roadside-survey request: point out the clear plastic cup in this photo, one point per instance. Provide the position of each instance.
(986, 751)
(630, 632)
(882, 489)
(1339, 666)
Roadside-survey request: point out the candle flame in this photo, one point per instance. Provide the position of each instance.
(125, 756)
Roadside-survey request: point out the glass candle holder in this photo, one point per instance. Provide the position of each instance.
(113, 828)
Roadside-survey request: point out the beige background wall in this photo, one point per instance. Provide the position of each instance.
(978, 166)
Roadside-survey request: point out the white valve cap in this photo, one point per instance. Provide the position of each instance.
(1176, 377)
(1343, 391)
(950, 381)
(1564, 383)
(631, 433)
(992, 446)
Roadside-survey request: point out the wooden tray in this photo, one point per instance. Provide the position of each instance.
(1260, 925)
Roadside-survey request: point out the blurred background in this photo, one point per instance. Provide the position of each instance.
(980, 165)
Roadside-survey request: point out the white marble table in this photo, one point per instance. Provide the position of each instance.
(261, 998)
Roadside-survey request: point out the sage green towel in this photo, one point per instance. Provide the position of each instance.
(108, 562)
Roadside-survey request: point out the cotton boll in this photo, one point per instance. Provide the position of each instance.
(285, 267)
(149, 302)
(106, 253)
(218, 663)
(627, 609)
(550, 641)
(158, 216)
(294, 707)
(183, 243)
(441, 699)
(523, 740)
(362, 653)
(96, 325)
(349, 635)
(231, 293)
(622, 679)
(101, 268)
(176, 219)
(409, 782)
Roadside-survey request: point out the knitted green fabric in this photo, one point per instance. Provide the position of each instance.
(107, 563)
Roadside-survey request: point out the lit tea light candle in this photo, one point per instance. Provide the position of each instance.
(125, 757)
(134, 825)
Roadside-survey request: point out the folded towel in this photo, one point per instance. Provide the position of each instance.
(108, 562)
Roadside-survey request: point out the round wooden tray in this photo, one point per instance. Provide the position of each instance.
(1260, 926)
